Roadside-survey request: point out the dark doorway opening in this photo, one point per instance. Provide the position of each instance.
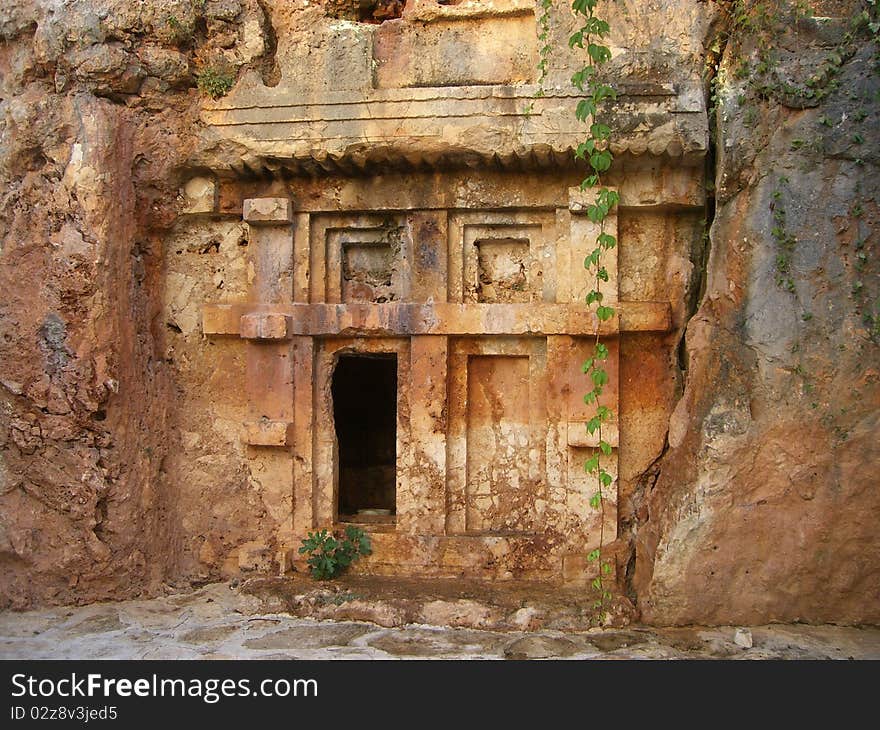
(364, 393)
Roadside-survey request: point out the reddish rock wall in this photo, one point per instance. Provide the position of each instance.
(95, 117)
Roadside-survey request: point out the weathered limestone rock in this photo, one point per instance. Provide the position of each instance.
(88, 184)
(200, 194)
(540, 646)
(766, 502)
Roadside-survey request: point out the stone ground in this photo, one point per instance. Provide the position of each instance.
(226, 621)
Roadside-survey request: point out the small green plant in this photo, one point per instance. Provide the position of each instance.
(330, 553)
(214, 81)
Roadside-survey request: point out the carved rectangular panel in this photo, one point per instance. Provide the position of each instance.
(502, 257)
(503, 268)
(360, 258)
(497, 443)
(496, 435)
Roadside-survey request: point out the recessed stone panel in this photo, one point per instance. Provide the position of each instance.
(498, 488)
(368, 272)
(500, 257)
(503, 270)
(362, 259)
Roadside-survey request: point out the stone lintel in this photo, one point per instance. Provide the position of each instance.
(662, 187)
(265, 326)
(408, 319)
(269, 433)
(267, 211)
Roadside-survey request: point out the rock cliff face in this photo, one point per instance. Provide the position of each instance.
(764, 503)
(97, 113)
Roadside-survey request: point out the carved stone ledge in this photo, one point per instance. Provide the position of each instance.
(449, 319)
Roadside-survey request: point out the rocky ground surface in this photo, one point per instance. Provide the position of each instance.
(222, 621)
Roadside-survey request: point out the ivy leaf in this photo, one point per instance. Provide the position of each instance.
(605, 478)
(594, 296)
(605, 313)
(608, 198)
(590, 397)
(582, 6)
(606, 241)
(599, 377)
(593, 425)
(585, 108)
(576, 39)
(591, 465)
(593, 555)
(596, 212)
(602, 274)
(600, 92)
(601, 352)
(600, 161)
(597, 26)
(587, 366)
(600, 131)
(584, 149)
(593, 258)
(580, 78)
(605, 448)
(600, 54)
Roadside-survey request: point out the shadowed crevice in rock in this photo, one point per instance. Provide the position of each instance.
(269, 69)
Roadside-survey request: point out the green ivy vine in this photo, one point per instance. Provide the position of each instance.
(594, 150)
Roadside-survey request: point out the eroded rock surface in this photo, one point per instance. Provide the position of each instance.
(766, 502)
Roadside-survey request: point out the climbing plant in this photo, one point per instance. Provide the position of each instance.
(594, 151)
